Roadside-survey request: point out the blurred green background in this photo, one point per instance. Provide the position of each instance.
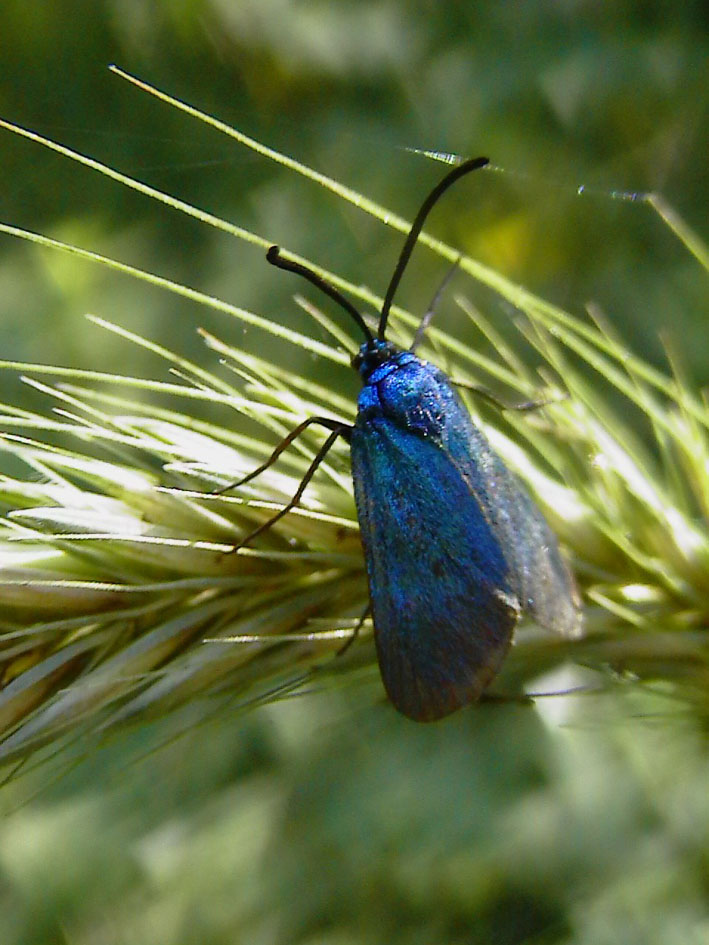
(328, 819)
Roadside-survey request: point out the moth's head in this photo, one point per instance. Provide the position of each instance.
(371, 355)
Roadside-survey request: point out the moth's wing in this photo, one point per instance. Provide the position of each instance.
(542, 580)
(443, 599)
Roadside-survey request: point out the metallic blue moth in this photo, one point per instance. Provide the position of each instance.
(455, 550)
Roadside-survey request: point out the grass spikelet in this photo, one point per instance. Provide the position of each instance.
(122, 599)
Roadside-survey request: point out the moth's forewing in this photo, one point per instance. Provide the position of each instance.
(455, 549)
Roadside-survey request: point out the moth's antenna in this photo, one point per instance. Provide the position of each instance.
(470, 165)
(274, 257)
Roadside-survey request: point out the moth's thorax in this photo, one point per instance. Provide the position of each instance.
(401, 388)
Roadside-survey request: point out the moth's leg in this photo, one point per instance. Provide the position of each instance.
(496, 401)
(355, 633)
(326, 422)
(431, 310)
(501, 698)
(339, 429)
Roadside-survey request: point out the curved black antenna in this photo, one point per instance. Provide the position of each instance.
(472, 164)
(274, 257)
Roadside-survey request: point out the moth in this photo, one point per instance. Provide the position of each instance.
(455, 549)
